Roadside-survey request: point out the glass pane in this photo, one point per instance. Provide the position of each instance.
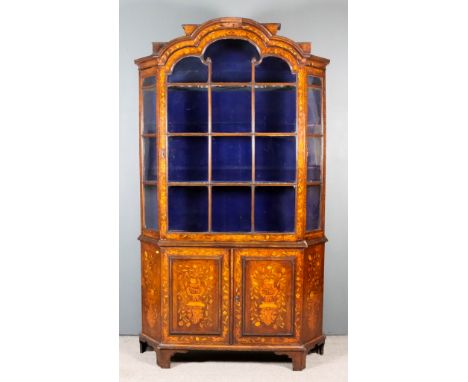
(312, 80)
(149, 159)
(149, 111)
(151, 207)
(314, 129)
(188, 209)
(188, 159)
(275, 159)
(189, 69)
(149, 81)
(231, 209)
(275, 110)
(274, 209)
(314, 158)
(232, 158)
(313, 208)
(314, 107)
(274, 69)
(231, 60)
(231, 110)
(187, 110)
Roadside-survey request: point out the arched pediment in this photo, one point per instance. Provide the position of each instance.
(199, 37)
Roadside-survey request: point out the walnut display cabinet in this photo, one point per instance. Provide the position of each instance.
(232, 160)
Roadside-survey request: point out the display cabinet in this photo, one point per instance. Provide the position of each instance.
(232, 159)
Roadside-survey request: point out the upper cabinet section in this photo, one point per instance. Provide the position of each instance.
(232, 135)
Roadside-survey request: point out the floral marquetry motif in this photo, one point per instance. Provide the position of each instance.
(313, 291)
(270, 290)
(269, 284)
(150, 282)
(195, 290)
(196, 293)
(150, 291)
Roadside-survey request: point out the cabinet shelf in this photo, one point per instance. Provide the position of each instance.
(188, 85)
(240, 184)
(216, 134)
(256, 85)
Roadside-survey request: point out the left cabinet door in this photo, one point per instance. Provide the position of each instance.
(195, 286)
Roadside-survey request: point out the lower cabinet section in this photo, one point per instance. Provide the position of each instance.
(201, 298)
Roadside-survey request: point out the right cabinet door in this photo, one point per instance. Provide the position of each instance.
(267, 296)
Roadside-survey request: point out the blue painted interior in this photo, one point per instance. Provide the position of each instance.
(231, 209)
(313, 208)
(231, 110)
(189, 69)
(188, 159)
(274, 209)
(232, 159)
(149, 159)
(187, 110)
(274, 69)
(314, 129)
(151, 207)
(231, 60)
(149, 111)
(149, 81)
(188, 209)
(275, 110)
(312, 80)
(314, 107)
(275, 159)
(314, 158)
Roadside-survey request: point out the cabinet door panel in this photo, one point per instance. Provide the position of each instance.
(268, 284)
(195, 295)
(268, 296)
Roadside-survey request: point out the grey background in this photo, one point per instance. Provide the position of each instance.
(324, 23)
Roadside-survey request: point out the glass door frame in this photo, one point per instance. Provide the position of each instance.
(301, 171)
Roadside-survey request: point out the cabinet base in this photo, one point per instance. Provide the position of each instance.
(297, 353)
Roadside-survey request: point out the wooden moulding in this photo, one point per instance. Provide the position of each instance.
(233, 244)
(157, 46)
(272, 27)
(189, 28)
(306, 46)
(308, 346)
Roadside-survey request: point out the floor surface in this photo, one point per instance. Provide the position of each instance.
(233, 367)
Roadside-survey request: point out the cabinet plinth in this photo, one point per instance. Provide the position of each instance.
(232, 164)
